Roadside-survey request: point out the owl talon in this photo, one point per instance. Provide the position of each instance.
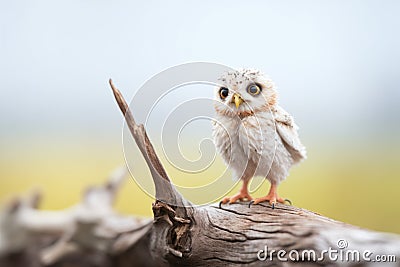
(288, 201)
(250, 203)
(219, 205)
(272, 198)
(243, 194)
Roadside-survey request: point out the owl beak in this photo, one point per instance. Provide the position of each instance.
(237, 99)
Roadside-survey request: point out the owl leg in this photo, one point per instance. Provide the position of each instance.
(272, 197)
(243, 194)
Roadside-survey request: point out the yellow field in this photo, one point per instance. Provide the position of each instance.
(354, 185)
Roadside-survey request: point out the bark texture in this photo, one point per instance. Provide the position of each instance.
(93, 234)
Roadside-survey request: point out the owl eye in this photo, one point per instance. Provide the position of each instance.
(223, 92)
(254, 89)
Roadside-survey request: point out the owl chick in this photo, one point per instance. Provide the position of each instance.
(253, 134)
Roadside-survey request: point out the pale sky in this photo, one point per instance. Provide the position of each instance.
(336, 63)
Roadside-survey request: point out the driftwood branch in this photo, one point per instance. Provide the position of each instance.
(32, 237)
(235, 234)
(165, 191)
(92, 234)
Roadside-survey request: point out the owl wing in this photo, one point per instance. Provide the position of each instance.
(287, 131)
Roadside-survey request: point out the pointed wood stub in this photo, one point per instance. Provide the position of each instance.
(165, 190)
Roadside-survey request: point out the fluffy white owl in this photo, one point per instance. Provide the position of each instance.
(253, 134)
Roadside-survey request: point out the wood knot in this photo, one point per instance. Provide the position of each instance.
(179, 237)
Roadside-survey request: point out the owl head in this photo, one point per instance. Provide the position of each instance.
(244, 91)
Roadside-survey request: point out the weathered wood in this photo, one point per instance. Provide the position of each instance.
(165, 191)
(32, 237)
(234, 234)
(92, 234)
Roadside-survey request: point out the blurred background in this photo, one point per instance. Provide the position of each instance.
(336, 65)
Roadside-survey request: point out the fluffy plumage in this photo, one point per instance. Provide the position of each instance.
(252, 133)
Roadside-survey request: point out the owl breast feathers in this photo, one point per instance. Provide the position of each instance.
(252, 133)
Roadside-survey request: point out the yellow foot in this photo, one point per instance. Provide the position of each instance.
(271, 198)
(239, 196)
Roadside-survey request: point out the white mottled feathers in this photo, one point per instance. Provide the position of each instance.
(287, 130)
(256, 137)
